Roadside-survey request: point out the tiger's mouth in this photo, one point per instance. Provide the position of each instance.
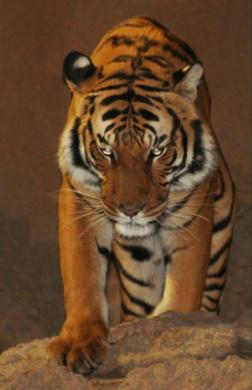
(133, 229)
(140, 225)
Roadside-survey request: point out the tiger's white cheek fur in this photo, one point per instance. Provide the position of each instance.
(79, 176)
(189, 180)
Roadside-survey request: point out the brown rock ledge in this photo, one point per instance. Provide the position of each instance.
(174, 351)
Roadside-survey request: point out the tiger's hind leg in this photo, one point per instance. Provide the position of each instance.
(221, 240)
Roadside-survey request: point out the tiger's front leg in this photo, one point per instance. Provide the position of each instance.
(189, 251)
(85, 239)
(141, 269)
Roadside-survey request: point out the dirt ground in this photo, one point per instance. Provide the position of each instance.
(35, 37)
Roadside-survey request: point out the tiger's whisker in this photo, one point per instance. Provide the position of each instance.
(165, 225)
(91, 226)
(183, 228)
(186, 216)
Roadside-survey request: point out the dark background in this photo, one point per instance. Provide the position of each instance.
(35, 37)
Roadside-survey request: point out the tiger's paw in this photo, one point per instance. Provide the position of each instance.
(81, 352)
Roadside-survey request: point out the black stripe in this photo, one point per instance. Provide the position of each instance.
(130, 312)
(185, 145)
(220, 195)
(139, 253)
(218, 226)
(218, 274)
(120, 128)
(121, 76)
(198, 160)
(156, 98)
(161, 138)
(111, 114)
(178, 76)
(172, 37)
(117, 40)
(174, 52)
(190, 221)
(178, 127)
(215, 257)
(211, 299)
(222, 224)
(147, 74)
(208, 308)
(139, 131)
(148, 115)
(214, 286)
(175, 122)
(151, 89)
(143, 99)
(147, 43)
(104, 252)
(109, 127)
(136, 62)
(111, 87)
(89, 127)
(146, 306)
(167, 258)
(186, 48)
(128, 276)
(132, 25)
(127, 96)
(122, 58)
(161, 61)
(179, 205)
(151, 128)
(75, 146)
(178, 249)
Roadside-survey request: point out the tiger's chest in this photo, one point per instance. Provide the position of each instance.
(142, 266)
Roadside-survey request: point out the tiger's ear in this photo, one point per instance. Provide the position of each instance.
(76, 69)
(187, 81)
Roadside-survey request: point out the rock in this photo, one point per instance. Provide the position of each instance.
(237, 295)
(243, 334)
(172, 351)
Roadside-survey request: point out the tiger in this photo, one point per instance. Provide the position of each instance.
(144, 187)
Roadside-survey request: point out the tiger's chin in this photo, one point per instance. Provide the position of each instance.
(133, 230)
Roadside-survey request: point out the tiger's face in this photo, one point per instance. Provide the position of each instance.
(134, 149)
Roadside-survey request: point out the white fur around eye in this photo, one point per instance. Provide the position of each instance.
(107, 151)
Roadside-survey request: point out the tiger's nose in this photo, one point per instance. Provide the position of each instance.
(130, 210)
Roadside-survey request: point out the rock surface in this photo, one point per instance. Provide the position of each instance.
(172, 351)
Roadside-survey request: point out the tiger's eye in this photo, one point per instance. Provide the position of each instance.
(158, 151)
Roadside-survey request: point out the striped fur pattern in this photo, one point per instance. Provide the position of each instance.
(145, 185)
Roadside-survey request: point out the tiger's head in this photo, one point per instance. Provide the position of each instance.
(134, 142)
